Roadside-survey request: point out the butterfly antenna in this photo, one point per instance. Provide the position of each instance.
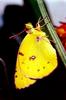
(41, 19)
(14, 36)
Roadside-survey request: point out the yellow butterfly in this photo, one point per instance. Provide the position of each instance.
(36, 58)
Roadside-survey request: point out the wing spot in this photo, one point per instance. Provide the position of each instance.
(21, 78)
(32, 58)
(16, 76)
(48, 62)
(20, 53)
(38, 70)
(22, 62)
(43, 67)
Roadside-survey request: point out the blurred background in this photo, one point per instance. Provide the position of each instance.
(13, 15)
(57, 10)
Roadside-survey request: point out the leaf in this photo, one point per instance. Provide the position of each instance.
(52, 31)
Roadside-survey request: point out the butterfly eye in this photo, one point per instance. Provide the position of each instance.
(26, 29)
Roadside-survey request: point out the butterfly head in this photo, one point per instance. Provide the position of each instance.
(28, 26)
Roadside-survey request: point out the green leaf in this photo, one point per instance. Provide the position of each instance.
(52, 31)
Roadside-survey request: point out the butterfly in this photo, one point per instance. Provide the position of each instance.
(36, 58)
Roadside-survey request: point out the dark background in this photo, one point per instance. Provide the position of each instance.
(52, 87)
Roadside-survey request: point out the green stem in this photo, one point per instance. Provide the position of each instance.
(52, 31)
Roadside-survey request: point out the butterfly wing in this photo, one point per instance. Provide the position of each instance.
(20, 80)
(37, 58)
